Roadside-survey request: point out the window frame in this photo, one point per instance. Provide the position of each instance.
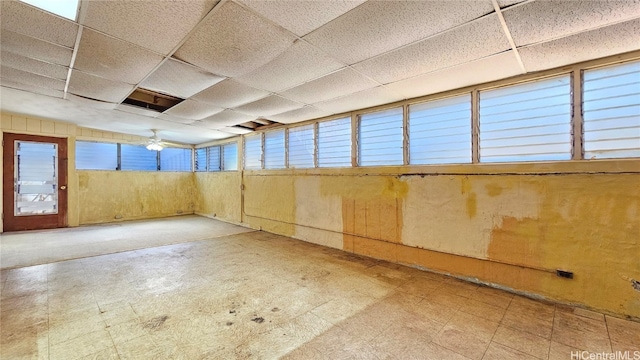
(403, 131)
(119, 156)
(318, 149)
(222, 156)
(411, 140)
(570, 123)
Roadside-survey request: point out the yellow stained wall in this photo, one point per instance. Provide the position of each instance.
(218, 194)
(107, 196)
(510, 225)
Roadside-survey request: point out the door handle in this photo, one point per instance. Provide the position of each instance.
(63, 187)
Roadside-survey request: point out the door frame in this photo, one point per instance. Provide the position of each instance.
(33, 222)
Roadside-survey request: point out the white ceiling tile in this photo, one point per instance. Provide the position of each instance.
(35, 48)
(179, 79)
(339, 83)
(27, 78)
(176, 119)
(376, 27)
(301, 17)
(21, 102)
(359, 100)
(269, 106)
(25, 19)
(469, 42)
(94, 87)
(506, 3)
(491, 68)
(114, 59)
(236, 130)
(234, 41)
(539, 21)
(137, 110)
(33, 66)
(229, 94)
(298, 115)
(30, 88)
(212, 134)
(90, 103)
(225, 119)
(194, 110)
(606, 41)
(301, 62)
(155, 25)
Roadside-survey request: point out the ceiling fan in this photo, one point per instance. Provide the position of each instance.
(155, 143)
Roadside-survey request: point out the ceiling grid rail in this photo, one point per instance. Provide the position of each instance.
(507, 33)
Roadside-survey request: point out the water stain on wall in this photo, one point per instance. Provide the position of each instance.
(270, 203)
(374, 211)
(493, 189)
(471, 202)
(517, 241)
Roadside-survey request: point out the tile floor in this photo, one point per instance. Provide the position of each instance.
(19, 249)
(260, 296)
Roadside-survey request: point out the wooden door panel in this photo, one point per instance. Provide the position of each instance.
(14, 221)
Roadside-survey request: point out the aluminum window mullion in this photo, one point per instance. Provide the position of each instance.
(286, 148)
(355, 135)
(206, 159)
(262, 147)
(119, 163)
(405, 135)
(577, 127)
(221, 157)
(475, 127)
(315, 144)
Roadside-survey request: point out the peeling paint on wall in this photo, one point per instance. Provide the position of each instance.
(507, 229)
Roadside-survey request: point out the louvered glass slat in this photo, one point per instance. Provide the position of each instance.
(213, 159)
(334, 143)
(381, 138)
(421, 123)
(425, 150)
(230, 157)
(201, 159)
(532, 98)
(611, 112)
(526, 122)
(301, 146)
(253, 152)
(440, 131)
(274, 152)
(456, 132)
(175, 159)
(531, 131)
(35, 178)
(137, 157)
(536, 116)
(96, 156)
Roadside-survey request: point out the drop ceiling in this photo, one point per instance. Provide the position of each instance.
(235, 61)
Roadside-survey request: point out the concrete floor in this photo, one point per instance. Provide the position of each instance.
(258, 295)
